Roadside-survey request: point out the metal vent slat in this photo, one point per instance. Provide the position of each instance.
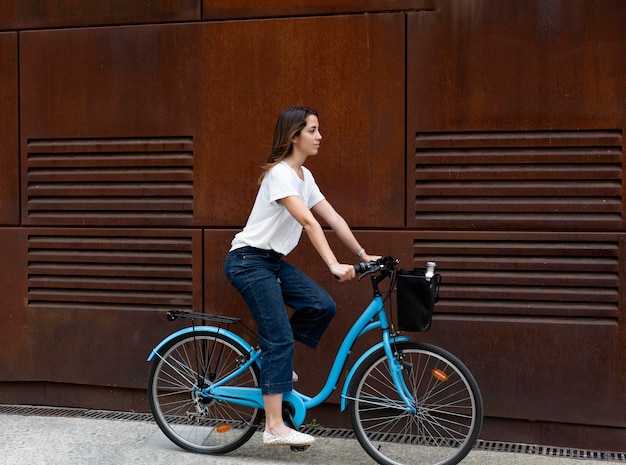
(111, 269)
(570, 180)
(551, 276)
(102, 182)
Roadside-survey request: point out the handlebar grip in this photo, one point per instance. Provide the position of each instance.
(361, 267)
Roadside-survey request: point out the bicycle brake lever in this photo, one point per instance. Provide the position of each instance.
(366, 268)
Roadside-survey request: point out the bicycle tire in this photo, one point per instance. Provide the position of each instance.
(448, 402)
(188, 418)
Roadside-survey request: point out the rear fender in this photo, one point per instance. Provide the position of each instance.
(199, 331)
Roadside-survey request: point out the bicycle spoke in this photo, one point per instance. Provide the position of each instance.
(183, 410)
(448, 409)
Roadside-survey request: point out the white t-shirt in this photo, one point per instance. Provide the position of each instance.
(270, 226)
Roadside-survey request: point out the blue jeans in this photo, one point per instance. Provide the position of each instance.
(267, 283)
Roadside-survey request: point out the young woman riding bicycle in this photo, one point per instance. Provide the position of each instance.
(287, 202)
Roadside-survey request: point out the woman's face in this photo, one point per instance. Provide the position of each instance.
(308, 141)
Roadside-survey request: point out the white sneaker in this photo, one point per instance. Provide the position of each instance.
(295, 438)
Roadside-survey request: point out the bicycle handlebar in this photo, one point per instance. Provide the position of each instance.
(385, 263)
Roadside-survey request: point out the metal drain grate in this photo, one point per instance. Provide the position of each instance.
(492, 446)
(550, 451)
(336, 433)
(28, 410)
(109, 415)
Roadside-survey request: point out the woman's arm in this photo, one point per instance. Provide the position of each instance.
(326, 211)
(305, 217)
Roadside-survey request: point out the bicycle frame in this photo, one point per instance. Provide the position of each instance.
(409, 402)
(373, 317)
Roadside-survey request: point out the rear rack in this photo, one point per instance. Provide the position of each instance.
(174, 314)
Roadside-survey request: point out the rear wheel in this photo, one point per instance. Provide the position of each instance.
(449, 410)
(190, 419)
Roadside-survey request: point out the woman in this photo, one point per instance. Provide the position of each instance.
(287, 198)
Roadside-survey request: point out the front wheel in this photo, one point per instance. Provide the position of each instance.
(181, 371)
(449, 409)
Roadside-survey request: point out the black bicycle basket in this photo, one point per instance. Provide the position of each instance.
(416, 298)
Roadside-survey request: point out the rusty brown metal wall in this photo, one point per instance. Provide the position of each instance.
(515, 161)
(9, 163)
(488, 137)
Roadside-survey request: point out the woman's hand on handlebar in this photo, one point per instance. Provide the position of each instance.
(385, 264)
(343, 272)
(369, 258)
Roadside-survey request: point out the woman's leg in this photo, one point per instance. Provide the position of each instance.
(276, 432)
(253, 274)
(313, 307)
(274, 423)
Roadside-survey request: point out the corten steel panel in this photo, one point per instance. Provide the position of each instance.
(118, 82)
(578, 437)
(182, 80)
(535, 330)
(506, 273)
(17, 327)
(36, 14)
(102, 292)
(543, 373)
(545, 180)
(539, 71)
(517, 65)
(113, 119)
(537, 316)
(84, 306)
(9, 149)
(216, 9)
(103, 348)
(75, 395)
(349, 68)
(8, 15)
(109, 182)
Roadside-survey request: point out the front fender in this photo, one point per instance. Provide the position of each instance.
(200, 330)
(355, 367)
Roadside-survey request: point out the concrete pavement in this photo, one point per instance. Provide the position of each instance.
(57, 440)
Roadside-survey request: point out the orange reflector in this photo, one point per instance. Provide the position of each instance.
(222, 428)
(440, 375)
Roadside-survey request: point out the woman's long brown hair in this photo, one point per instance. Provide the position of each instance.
(289, 124)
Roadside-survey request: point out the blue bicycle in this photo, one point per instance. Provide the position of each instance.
(409, 402)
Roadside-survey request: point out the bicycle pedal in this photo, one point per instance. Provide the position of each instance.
(299, 448)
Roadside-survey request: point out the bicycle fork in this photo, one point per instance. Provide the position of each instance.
(396, 367)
